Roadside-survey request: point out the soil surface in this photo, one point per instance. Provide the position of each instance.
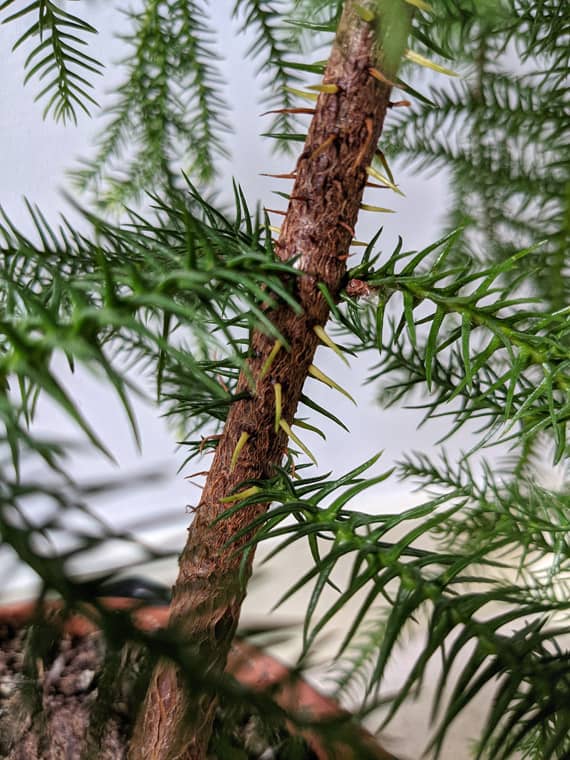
(66, 698)
(46, 704)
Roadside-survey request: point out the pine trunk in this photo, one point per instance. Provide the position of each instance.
(329, 182)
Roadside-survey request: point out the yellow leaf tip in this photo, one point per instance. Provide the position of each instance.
(329, 89)
(379, 209)
(365, 13)
(318, 375)
(287, 430)
(238, 449)
(325, 338)
(245, 494)
(414, 57)
(268, 363)
(278, 405)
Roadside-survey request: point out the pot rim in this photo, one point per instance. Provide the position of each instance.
(249, 664)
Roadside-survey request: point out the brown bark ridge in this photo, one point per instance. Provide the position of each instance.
(323, 209)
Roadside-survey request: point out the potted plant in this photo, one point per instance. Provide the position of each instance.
(226, 311)
(72, 672)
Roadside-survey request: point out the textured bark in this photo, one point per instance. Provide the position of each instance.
(322, 212)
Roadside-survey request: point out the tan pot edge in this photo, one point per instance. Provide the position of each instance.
(248, 664)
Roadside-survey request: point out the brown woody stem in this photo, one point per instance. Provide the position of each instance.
(175, 724)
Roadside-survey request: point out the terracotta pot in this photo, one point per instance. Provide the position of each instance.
(249, 665)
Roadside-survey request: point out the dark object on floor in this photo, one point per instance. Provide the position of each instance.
(137, 587)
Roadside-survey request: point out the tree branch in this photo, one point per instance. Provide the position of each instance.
(323, 210)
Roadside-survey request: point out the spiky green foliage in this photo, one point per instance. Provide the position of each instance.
(171, 111)
(168, 112)
(272, 48)
(501, 131)
(162, 292)
(316, 15)
(57, 39)
(491, 605)
(465, 337)
(474, 327)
